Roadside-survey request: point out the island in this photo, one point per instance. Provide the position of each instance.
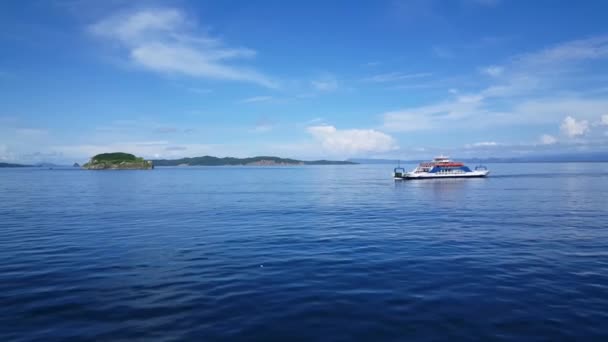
(12, 165)
(253, 161)
(76, 165)
(118, 161)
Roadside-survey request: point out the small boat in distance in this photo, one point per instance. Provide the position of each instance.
(441, 167)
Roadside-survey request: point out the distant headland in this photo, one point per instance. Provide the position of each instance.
(118, 161)
(253, 161)
(13, 165)
(127, 161)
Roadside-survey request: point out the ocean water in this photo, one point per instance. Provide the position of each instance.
(324, 253)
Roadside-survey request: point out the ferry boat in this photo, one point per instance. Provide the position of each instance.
(441, 167)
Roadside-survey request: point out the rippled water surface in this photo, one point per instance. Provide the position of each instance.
(330, 253)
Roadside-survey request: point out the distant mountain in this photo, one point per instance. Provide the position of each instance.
(260, 161)
(47, 165)
(374, 161)
(552, 158)
(329, 162)
(12, 165)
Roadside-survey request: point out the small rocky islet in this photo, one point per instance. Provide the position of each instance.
(118, 161)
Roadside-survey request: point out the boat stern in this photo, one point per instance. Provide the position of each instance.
(399, 173)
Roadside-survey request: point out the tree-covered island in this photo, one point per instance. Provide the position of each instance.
(118, 161)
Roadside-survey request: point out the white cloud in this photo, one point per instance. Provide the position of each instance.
(485, 144)
(31, 132)
(475, 98)
(325, 84)
(572, 51)
(573, 128)
(475, 111)
(263, 127)
(408, 121)
(176, 148)
(352, 141)
(533, 88)
(493, 70)
(257, 99)
(432, 116)
(547, 139)
(166, 41)
(604, 120)
(5, 153)
(395, 76)
(151, 143)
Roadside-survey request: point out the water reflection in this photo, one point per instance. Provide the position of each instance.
(440, 191)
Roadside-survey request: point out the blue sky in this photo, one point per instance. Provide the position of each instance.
(302, 79)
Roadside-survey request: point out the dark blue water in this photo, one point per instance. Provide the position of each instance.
(331, 253)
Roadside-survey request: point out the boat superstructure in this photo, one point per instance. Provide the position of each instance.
(441, 167)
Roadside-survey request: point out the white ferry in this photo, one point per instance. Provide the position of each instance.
(441, 167)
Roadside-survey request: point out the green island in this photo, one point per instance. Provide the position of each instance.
(12, 165)
(253, 161)
(118, 161)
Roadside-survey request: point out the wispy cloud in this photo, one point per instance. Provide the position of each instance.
(431, 116)
(165, 130)
(165, 40)
(547, 139)
(255, 99)
(475, 111)
(151, 143)
(5, 153)
(176, 148)
(32, 132)
(263, 125)
(202, 91)
(326, 83)
(492, 70)
(484, 144)
(396, 76)
(572, 51)
(531, 88)
(352, 141)
(120, 130)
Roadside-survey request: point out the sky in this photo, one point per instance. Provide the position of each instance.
(302, 79)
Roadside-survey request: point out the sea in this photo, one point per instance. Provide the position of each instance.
(304, 253)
